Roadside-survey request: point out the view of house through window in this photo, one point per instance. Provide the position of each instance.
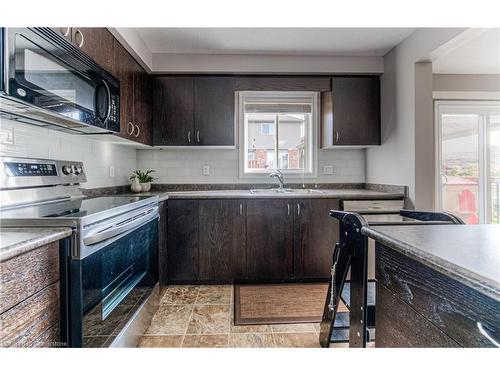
(278, 132)
(469, 160)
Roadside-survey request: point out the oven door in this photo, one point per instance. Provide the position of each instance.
(47, 72)
(108, 286)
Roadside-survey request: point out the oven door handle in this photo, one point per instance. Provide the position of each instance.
(100, 236)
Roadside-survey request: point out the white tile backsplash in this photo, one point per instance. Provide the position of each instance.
(17, 139)
(185, 166)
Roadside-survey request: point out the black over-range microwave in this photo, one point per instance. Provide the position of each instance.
(47, 81)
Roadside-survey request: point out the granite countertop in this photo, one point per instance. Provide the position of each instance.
(467, 253)
(236, 194)
(15, 241)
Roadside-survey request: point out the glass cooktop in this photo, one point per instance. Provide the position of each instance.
(74, 208)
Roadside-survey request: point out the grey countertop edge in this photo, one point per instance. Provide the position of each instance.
(45, 236)
(484, 285)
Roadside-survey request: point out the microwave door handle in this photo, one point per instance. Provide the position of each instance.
(114, 231)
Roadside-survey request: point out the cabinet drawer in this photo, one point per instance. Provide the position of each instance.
(28, 273)
(450, 305)
(374, 205)
(399, 326)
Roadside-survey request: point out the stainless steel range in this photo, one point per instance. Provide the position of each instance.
(110, 263)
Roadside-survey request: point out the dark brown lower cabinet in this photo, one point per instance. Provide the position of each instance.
(315, 236)
(162, 243)
(269, 239)
(222, 240)
(182, 240)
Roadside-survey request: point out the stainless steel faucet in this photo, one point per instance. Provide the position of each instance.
(277, 174)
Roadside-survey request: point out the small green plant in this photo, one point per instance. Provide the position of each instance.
(143, 177)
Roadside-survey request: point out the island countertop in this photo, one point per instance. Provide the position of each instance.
(16, 241)
(468, 253)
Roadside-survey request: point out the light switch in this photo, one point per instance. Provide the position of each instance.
(111, 171)
(206, 170)
(328, 169)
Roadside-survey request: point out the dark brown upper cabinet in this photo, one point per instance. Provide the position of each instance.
(214, 121)
(194, 111)
(282, 83)
(173, 106)
(350, 112)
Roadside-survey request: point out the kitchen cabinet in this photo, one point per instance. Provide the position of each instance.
(350, 112)
(315, 236)
(173, 104)
(222, 240)
(269, 239)
(214, 123)
(162, 244)
(282, 83)
(182, 240)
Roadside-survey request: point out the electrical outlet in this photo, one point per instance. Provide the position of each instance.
(111, 171)
(206, 170)
(328, 169)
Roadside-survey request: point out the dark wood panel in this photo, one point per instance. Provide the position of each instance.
(143, 110)
(26, 321)
(423, 289)
(173, 111)
(99, 44)
(315, 236)
(125, 68)
(214, 111)
(356, 110)
(399, 326)
(269, 239)
(27, 274)
(162, 243)
(280, 83)
(182, 240)
(222, 240)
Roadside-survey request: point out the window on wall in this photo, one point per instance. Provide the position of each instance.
(278, 130)
(468, 151)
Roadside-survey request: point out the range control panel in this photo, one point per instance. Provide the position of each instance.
(30, 169)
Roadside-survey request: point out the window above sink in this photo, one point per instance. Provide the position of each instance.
(278, 130)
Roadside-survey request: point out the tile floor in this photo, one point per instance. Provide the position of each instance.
(202, 317)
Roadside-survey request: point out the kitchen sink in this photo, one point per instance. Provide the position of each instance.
(285, 191)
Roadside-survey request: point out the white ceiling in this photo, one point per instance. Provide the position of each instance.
(273, 41)
(479, 54)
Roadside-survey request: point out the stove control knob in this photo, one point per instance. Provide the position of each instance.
(78, 169)
(67, 169)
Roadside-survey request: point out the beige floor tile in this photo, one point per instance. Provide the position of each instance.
(205, 341)
(340, 345)
(209, 319)
(214, 295)
(296, 340)
(256, 328)
(172, 341)
(170, 320)
(251, 340)
(180, 295)
(289, 328)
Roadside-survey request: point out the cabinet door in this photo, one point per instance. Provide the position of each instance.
(98, 43)
(173, 117)
(125, 67)
(65, 32)
(143, 110)
(315, 236)
(182, 240)
(222, 240)
(269, 239)
(356, 111)
(214, 111)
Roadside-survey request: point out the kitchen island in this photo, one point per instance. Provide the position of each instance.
(437, 285)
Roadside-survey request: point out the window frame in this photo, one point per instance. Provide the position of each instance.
(483, 109)
(241, 96)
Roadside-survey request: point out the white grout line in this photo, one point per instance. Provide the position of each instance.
(190, 317)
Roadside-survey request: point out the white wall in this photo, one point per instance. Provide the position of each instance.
(394, 162)
(185, 166)
(20, 140)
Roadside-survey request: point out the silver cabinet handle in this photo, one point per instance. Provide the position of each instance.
(65, 33)
(198, 136)
(483, 332)
(336, 136)
(298, 209)
(130, 128)
(138, 131)
(189, 136)
(241, 209)
(288, 209)
(83, 39)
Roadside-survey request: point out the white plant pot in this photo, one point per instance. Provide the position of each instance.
(145, 186)
(135, 187)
